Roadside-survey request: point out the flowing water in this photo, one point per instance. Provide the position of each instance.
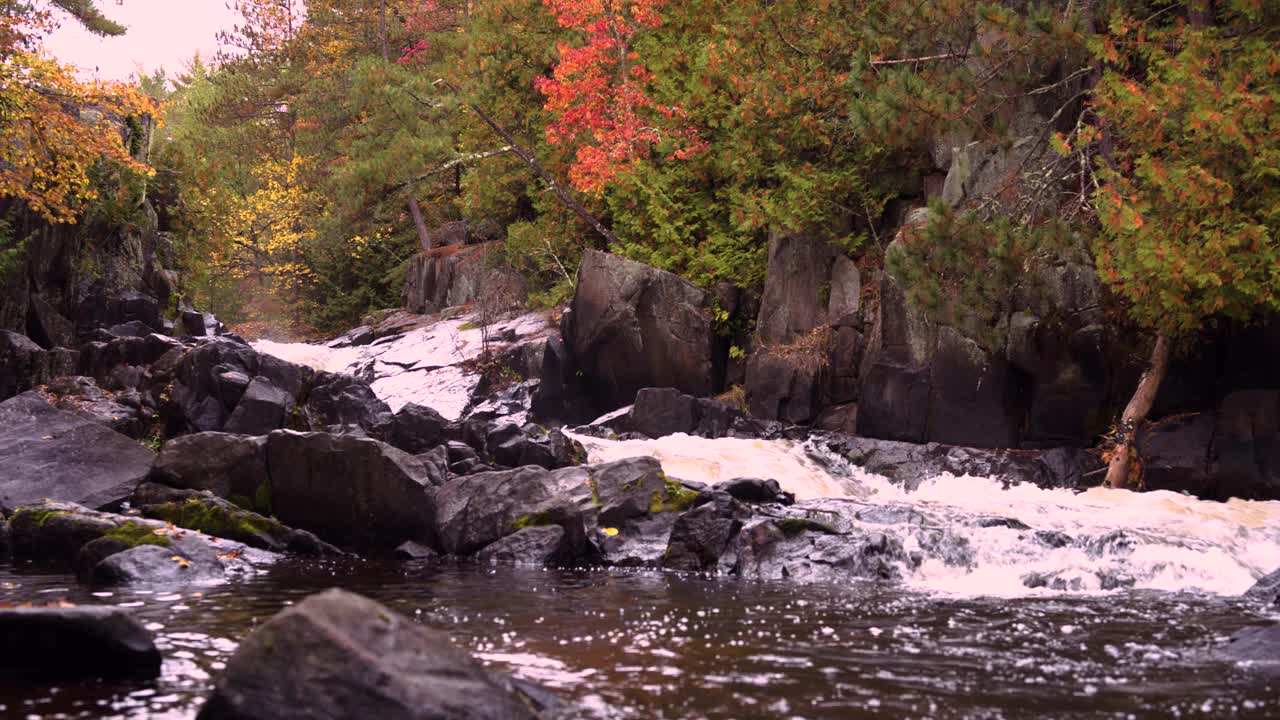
(1140, 587)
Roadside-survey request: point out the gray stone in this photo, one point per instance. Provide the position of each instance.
(50, 453)
(338, 655)
(74, 643)
(634, 326)
(352, 492)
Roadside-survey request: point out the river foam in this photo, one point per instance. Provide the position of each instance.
(977, 537)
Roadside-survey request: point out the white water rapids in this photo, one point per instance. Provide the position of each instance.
(1077, 542)
(1062, 541)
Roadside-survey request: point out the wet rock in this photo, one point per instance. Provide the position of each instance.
(541, 546)
(339, 655)
(409, 550)
(641, 541)
(416, 429)
(229, 466)
(478, 510)
(910, 464)
(340, 403)
(702, 538)
(50, 453)
(663, 411)
(634, 326)
(198, 324)
(352, 492)
(804, 551)
(71, 643)
(211, 515)
(1257, 646)
(756, 490)
(785, 387)
(262, 408)
(69, 537)
(1266, 590)
(180, 563)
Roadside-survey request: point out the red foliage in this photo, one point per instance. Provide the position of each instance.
(598, 93)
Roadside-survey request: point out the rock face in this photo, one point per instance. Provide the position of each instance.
(72, 643)
(23, 364)
(458, 274)
(633, 326)
(339, 655)
(353, 492)
(50, 453)
(1234, 452)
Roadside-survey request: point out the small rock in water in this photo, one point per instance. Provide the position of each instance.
(339, 655)
(75, 642)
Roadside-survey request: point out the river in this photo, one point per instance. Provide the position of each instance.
(1025, 602)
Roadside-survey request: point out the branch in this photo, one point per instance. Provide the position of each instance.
(453, 164)
(924, 58)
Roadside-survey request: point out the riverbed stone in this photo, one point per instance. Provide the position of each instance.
(541, 546)
(51, 453)
(341, 403)
(72, 643)
(340, 655)
(702, 538)
(185, 561)
(417, 428)
(663, 411)
(478, 510)
(353, 492)
(262, 408)
(807, 551)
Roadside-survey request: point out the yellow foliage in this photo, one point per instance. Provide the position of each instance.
(54, 128)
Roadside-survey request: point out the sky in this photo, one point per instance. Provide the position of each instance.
(161, 33)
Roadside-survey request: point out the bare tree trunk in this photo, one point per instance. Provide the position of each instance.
(537, 168)
(424, 237)
(1136, 412)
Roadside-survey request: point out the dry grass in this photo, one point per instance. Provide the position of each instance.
(809, 352)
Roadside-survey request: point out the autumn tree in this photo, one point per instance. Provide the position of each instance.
(56, 129)
(1187, 197)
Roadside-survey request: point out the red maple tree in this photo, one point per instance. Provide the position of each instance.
(598, 93)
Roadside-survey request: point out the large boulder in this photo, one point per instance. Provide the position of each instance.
(339, 655)
(74, 643)
(785, 386)
(702, 538)
(1266, 590)
(634, 326)
(1244, 456)
(351, 491)
(210, 381)
(229, 466)
(417, 429)
(263, 407)
(47, 326)
(51, 453)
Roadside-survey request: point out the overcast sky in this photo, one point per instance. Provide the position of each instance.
(161, 33)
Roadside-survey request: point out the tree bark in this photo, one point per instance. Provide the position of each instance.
(1136, 412)
(541, 172)
(424, 237)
